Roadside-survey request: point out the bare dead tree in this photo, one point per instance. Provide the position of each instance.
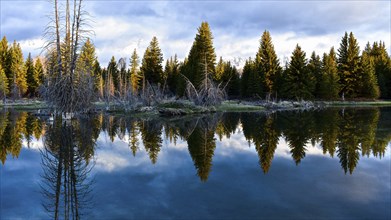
(68, 91)
(208, 94)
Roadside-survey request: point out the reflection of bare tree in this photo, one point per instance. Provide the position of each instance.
(65, 184)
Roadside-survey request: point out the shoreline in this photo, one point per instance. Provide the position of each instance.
(178, 108)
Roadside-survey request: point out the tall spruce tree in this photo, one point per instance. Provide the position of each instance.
(348, 66)
(17, 77)
(299, 83)
(32, 78)
(201, 51)
(151, 67)
(113, 74)
(98, 78)
(315, 69)
(39, 71)
(368, 85)
(86, 59)
(4, 58)
(382, 64)
(250, 86)
(135, 72)
(172, 72)
(329, 80)
(267, 63)
(3, 83)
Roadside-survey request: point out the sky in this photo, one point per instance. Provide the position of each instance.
(120, 26)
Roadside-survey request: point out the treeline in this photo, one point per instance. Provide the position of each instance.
(338, 74)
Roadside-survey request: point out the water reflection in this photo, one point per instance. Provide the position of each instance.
(345, 133)
(66, 157)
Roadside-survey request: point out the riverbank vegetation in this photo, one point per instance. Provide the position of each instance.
(70, 77)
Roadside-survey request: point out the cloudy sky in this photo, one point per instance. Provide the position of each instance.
(122, 25)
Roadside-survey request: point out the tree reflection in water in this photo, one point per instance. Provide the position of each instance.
(66, 163)
(348, 134)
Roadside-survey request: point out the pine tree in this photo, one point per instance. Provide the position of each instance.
(382, 64)
(32, 79)
(135, 72)
(17, 70)
(39, 71)
(369, 87)
(151, 67)
(98, 78)
(87, 58)
(4, 58)
(267, 63)
(172, 72)
(315, 69)
(113, 74)
(3, 83)
(250, 86)
(201, 51)
(329, 80)
(348, 66)
(299, 82)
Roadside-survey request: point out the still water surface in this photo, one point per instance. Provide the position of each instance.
(333, 163)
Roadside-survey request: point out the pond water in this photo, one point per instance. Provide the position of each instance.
(332, 163)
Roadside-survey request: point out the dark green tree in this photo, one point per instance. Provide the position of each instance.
(368, 85)
(299, 83)
(32, 78)
(250, 82)
(151, 66)
(315, 69)
(382, 65)
(171, 71)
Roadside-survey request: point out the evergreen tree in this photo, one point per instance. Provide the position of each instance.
(299, 82)
(382, 64)
(228, 77)
(172, 72)
(219, 70)
(87, 58)
(315, 69)
(348, 66)
(329, 80)
(17, 77)
(267, 63)
(39, 71)
(98, 78)
(3, 83)
(250, 85)
(369, 87)
(4, 58)
(134, 72)
(113, 73)
(32, 78)
(151, 67)
(201, 51)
